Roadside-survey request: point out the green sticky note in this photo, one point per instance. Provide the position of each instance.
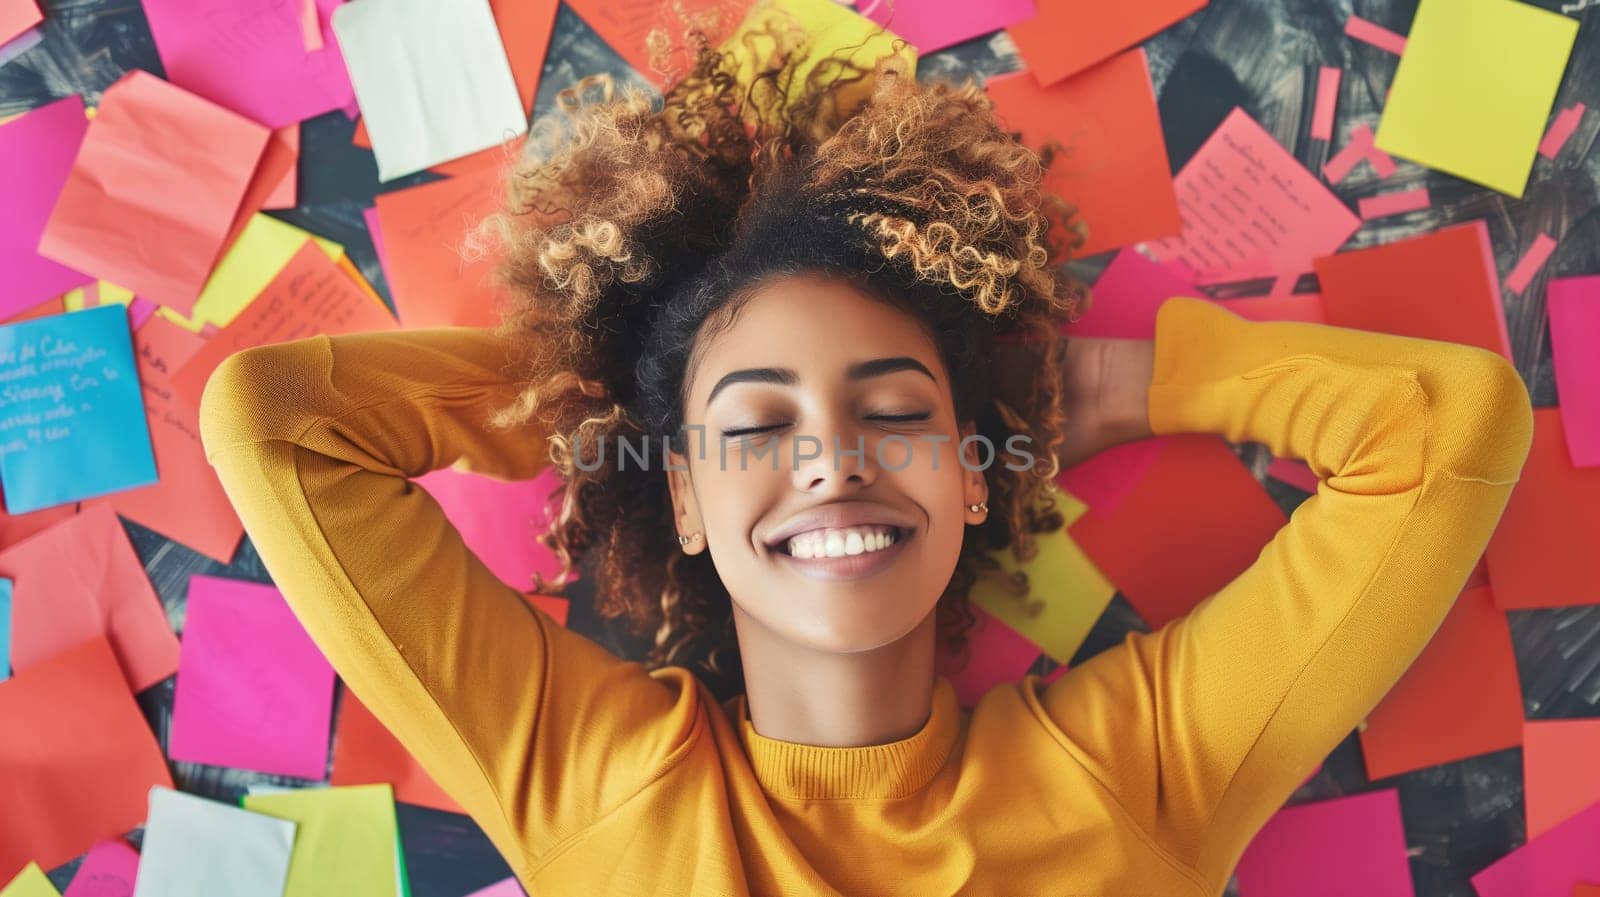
(1474, 88)
(347, 842)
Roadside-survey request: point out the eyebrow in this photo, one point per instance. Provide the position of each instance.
(860, 370)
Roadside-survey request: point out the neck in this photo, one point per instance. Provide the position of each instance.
(797, 694)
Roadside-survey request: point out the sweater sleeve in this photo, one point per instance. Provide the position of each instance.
(533, 728)
(1202, 730)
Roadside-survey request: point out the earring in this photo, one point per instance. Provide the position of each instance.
(980, 506)
(685, 540)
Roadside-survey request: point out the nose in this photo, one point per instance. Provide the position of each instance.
(833, 455)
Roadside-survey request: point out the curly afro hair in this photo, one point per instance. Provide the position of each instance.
(633, 225)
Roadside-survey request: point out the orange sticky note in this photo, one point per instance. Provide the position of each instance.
(1459, 699)
(365, 753)
(81, 578)
(1542, 553)
(1441, 285)
(15, 528)
(154, 189)
(1559, 774)
(625, 25)
(309, 296)
(79, 759)
(423, 229)
(17, 16)
(1068, 36)
(1192, 523)
(1113, 159)
(187, 504)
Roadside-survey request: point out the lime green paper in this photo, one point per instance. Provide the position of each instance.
(1474, 88)
(347, 841)
(30, 882)
(829, 27)
(263, 249)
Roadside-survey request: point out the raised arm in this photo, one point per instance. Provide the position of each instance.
(512, 714)
(1204, 728)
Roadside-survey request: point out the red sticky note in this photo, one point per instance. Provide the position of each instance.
(79, 757)
(285, 193)
(1559, 774)
(1440, 285)
(1542, 553)
(1112, 162)
(1305, 307)
(15, 528)
(79, 579)
(500, 521)
(309, 296)
(1550, 864)
(1350, 845)
(1068, 36)
(1573, 304)
(996, 654)
(17, 16)
(1105, 478)
(110, 870)
(278, 162)
(625, 25)
(190, 161)
(1193, 522)
(1294, 471)
(423, 230)
(365, 753)
(1586, 890)
(36, 153)
(1460, 698)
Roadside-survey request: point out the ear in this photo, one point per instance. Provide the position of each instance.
(685, 510)
(975, 486)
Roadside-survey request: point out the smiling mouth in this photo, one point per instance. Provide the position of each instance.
(900, 534)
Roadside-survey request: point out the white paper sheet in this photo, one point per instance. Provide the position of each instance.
(194, 847)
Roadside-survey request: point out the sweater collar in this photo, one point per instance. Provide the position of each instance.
(797, 771)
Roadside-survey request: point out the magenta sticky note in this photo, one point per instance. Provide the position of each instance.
(931, 25)
(499, 521)
(1549, 865)
(1573, 304)
(1331, 848)
(36, 153)
(1105, 478)
(997, 654)
(253, 691)
(506, 887)
(207, 44)
(1126, 297)
(108, 871)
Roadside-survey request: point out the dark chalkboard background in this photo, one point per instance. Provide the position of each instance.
(1259, 54)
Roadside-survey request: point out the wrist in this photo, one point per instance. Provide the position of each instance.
(1124, 411)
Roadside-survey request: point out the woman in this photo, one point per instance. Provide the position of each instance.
(759, 272)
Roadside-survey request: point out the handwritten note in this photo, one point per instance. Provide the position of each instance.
(254, 691)
(71, 414)
(109, 870)
(423, 227)
(1250, 210)
(36, 152)
(194, 847)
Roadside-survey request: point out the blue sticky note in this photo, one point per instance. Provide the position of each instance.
(72, 422)
(5, 629)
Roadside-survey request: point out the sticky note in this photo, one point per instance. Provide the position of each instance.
(1375, 35)
(1349, 845)
(1550, 864)
(1067, 594)
(433, 80)
(345, 842)
(1395, 202)
(253, 690)
(995, 655)
(30, 882)
(1561, 128)
(194, 847)
(625, 26)
(5, 628)
(1250, 209)
(21, 44)
(1560, 777)
(1294, 471)
(1125, 298)
(375, 231)
(17, 16)
(59, 801)
(309, 296)
(935, 24)
(1441, 285)
(500, 521)
(36, 153)
(1105, 478)
(1460, 698)
(285, 192)
(1474, 87)
(188, 503)
(1532, 260)
(1068, 36)
(1192, 523)
(15, 528)
(1542, 551)
(74, 422)
(255, 258)
(159, 240)
(1306, 307)
(1573, 304)
(365, 752)
(109, 870)
(504, 888)
(1327, 97)
(833, 31)
(1108, 156)
(106, 594)
(424, 228)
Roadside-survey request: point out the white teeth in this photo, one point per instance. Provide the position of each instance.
(841, 543)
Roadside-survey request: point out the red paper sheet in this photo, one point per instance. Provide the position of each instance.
(624, 25)
(1114, 166)
(1559, 774)
(15, 528)
(1069, 36)
(423, 228)
(78, 759)
(154, 190)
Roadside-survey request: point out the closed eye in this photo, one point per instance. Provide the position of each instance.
(893, 418)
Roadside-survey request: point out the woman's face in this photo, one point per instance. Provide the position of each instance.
(813, 369)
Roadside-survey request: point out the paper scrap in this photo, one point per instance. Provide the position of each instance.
(17, 16)
(1542, 552)
(254, 692)
(1560, 777)
(1566, 121)
(1069, 590)
(194, 847)
(1550, 864)
(935, 24)
(109, 870)
(1538, 253)
(996, 655)
(1376, 35)
(1573, 306)
(30, 882)
(1068, 36)
(1473, 90)
(36, 153)
(1327, 96)
(1348, 845)
(345, 842)
(80, 757)
(1395, 202)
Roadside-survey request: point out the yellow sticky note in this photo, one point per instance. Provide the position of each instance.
(1474, 88)
(346, 841)
(1071, 591)
(30, 882)
(829, 28)
(107, 292)
(264, 247)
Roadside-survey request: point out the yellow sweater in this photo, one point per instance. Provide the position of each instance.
(1144, 771)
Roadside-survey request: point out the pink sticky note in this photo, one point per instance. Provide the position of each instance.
(1293, 471)
(500, 520)
(375, 231)
(1538, 253)
(310, 31)
(108, 871)
(205, 50)
(1126, 297)
(36, 153)
(1250, 209)
(1560, 130)
(1382, 163)
(1105, 478)
(1393, 203)
(1549, 864)
(506, 887)
(1376, 35)
(1573, 304)
(17, 16)
(139, 311)
(1339, 166)
(1327, 96)
(997, 655)
(1350, 845)
(253, 691)
(931, 25)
